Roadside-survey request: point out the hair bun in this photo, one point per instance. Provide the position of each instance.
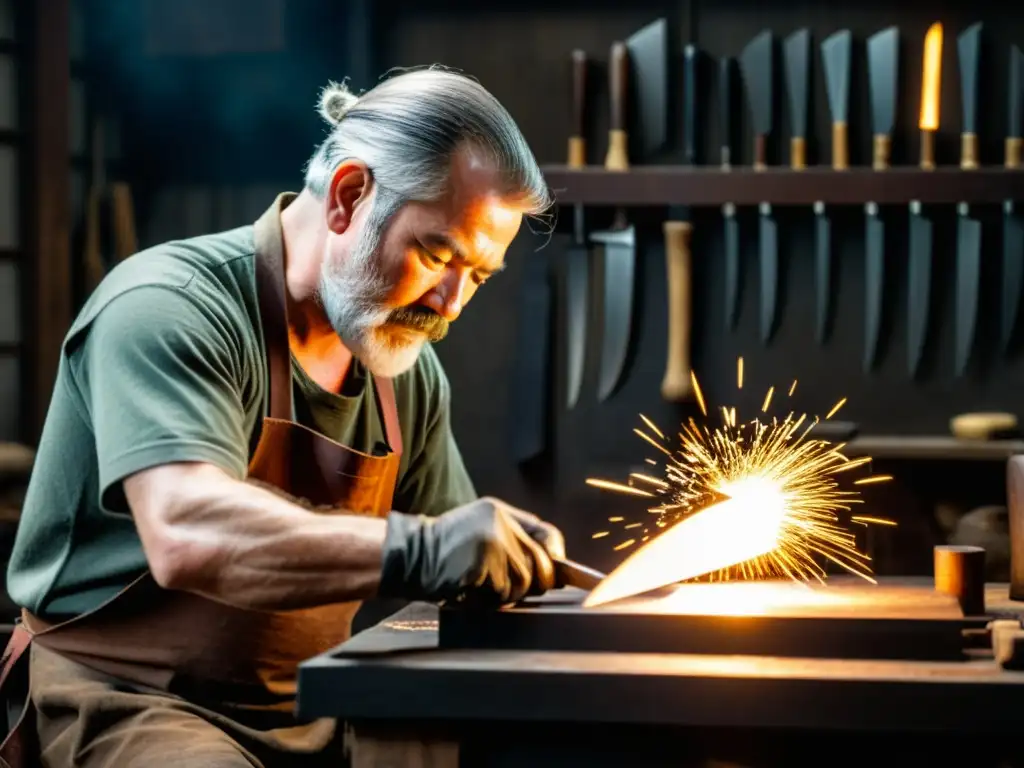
(335, 101)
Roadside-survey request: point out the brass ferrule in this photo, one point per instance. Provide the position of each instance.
(840, 147)
(881, 153)
(969, 151)
(928, 150)
(797, 153)
(1013, 151)
(617, 158)
(577, 152)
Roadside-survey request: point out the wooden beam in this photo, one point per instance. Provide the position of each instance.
(47, 202)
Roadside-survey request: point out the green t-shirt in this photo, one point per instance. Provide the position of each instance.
(165, 363)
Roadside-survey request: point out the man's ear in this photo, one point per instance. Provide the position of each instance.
(351, 185)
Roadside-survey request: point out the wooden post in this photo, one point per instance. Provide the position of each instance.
(960, 572)
(48, 200)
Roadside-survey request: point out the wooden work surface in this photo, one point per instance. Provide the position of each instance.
(395, 672)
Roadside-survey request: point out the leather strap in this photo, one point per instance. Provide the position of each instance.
(273, 306)
(389, 413)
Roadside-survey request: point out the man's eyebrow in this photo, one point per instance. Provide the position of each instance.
(448, 243)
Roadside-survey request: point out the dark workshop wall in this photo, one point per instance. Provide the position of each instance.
(210, 134)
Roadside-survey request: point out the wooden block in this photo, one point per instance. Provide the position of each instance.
(370, 748)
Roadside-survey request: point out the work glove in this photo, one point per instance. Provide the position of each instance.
(483, 554)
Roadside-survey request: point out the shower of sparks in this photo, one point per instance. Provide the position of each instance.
(705, 462)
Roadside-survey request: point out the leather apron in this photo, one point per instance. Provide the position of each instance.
(197, 648)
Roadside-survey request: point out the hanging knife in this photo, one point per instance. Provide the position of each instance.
(919, 276)
(836, 53)
(1013, 228)
(968, 237)
(619, 241)
(576, 263)
(756, 62)
(883, 68)
(797, 55)
(676, 384)
(733, 271)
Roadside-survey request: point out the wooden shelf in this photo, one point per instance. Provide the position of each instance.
(932, 447)
(708, 186)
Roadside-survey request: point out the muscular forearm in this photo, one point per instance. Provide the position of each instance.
(251, 547)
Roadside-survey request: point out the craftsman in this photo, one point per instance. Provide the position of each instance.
(249, 434)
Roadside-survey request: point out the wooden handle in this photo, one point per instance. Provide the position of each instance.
(882, 152)
(677, 385)
(840, 147)
(760, 152)
(577, 146)
(969, 151)
(617, 158)
(1013, 153)
(960, 573)
(797, 153)
(928, 150)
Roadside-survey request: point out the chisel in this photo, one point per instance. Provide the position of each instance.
(757, 63)
(836, 53)
(1013, 228)
(919, 276)
(968, 237)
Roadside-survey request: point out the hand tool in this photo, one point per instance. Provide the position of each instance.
(578, 255)
(919, 273)
(836, 53)
(733, 272)
(757, 64)
(646, 54)
(883, 67)
(569, 573)
(676, 384)
(968, 238)
(110, 234)
(796, 55)
(1013, 227)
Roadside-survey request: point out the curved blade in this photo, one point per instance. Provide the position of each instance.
(797, 58)
(874, 281)
(823, 273)
(969, 50)
(1013, 273)
(756, 64)
(768, 237)
(576, 291)
(919, 280)
(968, 283)
(648, 61)
(883, 70)
(733, 270)
(836, 52)
(617, 307)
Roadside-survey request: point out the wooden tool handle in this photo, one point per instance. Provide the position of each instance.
(968, 151)
(797, 153)
(617, 158)
(928, 150)
(577, 145)
(1013, 153)
(676, 385)
(760, 152)
(882, 152)
(840, 147)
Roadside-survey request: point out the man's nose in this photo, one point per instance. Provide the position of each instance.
(449, 295)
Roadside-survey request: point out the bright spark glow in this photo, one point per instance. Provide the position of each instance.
(741, 501)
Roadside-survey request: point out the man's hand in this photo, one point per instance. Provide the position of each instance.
(485, 553)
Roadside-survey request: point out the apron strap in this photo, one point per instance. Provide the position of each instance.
(385, 389)
(273, 308)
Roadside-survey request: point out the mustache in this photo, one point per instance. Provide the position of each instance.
(421, 319)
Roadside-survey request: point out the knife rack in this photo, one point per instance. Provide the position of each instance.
(712, 187)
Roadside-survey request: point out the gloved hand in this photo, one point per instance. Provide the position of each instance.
(482, 554)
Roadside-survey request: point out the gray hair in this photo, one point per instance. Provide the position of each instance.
(407, 128)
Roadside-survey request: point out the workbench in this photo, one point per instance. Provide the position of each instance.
(407, 702)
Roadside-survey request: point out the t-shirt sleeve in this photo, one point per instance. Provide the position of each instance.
(159, 373)
(437, 479)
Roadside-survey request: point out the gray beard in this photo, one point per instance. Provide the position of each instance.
(352, 293)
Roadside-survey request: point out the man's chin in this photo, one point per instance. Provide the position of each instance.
(389, 359)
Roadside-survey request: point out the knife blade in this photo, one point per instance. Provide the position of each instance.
(619, 242)
(676, 385)
(968, 241)
(756, 63)
(733, 266)
(920, 266)
(836, 53)
(796, 55)
(1013, 228)
(578, 255)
